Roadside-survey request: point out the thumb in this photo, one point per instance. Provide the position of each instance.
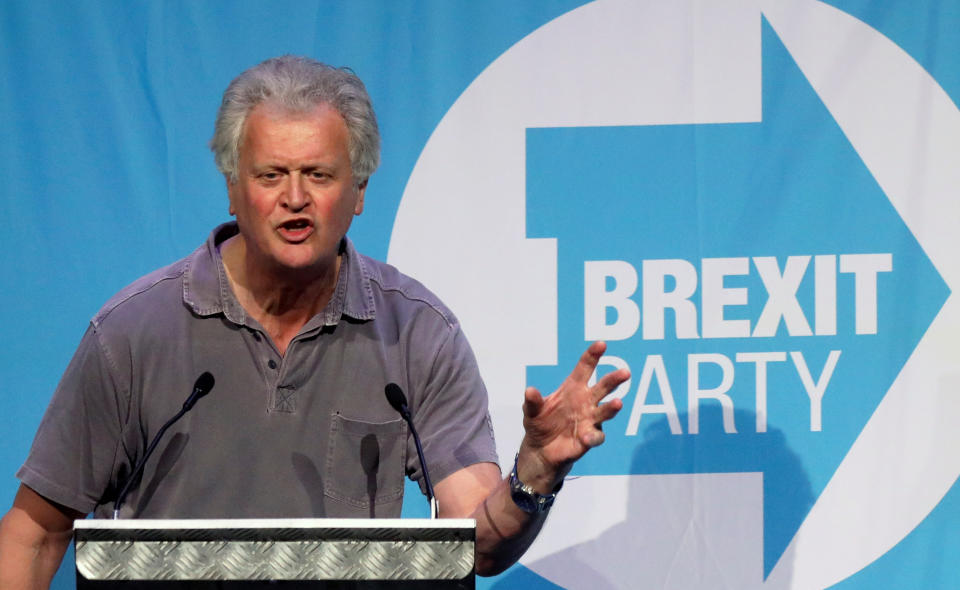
(532, 402)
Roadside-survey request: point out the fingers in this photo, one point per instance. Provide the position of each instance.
(592, 439)
(532, 402)
(588, 362)
(608, 383)
(607, 411)
(594, 436)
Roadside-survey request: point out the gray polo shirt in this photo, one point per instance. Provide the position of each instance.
(307, 434)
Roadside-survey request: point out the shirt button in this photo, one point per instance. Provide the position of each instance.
(272, 364)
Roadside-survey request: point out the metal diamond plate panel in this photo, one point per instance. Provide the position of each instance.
(274, 560)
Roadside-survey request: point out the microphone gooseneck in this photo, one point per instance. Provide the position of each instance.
(201, 387)
(399, 403)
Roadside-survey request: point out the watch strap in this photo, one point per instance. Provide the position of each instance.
(525, 497)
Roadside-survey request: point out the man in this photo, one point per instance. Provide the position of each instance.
(301, 333)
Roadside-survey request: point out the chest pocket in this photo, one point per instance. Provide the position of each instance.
(366, 463)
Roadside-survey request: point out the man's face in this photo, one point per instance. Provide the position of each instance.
(295, 194)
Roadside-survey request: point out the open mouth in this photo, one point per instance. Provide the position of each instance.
(296, 229)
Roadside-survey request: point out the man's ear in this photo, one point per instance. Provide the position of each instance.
(361, 190)
(230, 186)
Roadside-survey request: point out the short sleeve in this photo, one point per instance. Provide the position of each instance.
(74, 453)
(451, 414)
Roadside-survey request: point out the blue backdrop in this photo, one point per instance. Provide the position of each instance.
(597, 166)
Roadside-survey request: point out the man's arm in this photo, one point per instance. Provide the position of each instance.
(503, 531)
(559, 429)
(33, 537)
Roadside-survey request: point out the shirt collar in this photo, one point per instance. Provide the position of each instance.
(206, 289)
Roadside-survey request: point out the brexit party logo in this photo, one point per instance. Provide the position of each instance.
(729, 194)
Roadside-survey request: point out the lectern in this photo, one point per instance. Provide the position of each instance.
(330, 554)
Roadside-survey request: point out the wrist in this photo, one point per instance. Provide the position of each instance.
(526, 497)
(542, 475)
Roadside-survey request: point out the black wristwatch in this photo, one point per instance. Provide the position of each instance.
(525, 497)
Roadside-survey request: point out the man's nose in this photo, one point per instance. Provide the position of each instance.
(298, 195)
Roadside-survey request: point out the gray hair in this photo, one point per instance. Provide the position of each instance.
(297, 84)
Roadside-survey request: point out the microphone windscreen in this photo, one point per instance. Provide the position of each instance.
(204, 384)
(395, 397)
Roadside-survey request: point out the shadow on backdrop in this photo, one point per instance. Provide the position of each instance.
(712, 510)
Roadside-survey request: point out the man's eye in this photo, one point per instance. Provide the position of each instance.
(270, 175)
(319, 175)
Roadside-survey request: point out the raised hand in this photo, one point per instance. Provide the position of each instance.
(563, 426)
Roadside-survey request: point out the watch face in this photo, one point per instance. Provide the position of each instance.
(524, 501)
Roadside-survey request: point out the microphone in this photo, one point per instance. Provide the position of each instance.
(399, 403)
(397, 399)
(201, 387)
